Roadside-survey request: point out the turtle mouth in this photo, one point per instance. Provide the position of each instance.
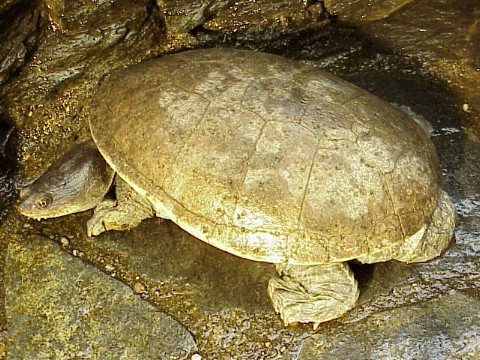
(29, 214)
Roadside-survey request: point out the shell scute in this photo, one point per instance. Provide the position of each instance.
(265, 157)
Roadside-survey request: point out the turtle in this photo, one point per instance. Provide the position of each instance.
(261, 156)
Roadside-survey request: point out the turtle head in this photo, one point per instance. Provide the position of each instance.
(75, 182)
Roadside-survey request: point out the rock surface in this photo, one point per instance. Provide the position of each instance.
(54, 53)
(360, 12)
(61, 308)
(445, 328)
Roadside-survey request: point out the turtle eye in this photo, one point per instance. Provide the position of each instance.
(44, 201)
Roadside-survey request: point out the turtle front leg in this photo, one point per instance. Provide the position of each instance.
(313, 293)
(125, 213)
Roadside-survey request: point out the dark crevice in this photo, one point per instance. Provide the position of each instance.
(23, 22)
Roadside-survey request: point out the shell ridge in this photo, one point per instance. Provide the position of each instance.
(300, 226)
(372, 126)
(247, 164)
(194, 130)
(307, 183)
(242, 98)
(390, 196)
(388, 187)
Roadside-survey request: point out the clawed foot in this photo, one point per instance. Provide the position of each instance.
(109, 216)
(100, 221)
(129, 210)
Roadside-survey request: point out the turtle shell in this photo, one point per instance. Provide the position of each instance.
(266, 157)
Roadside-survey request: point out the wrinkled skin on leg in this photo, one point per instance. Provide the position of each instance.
(313, 293)
(129, 210)
(318, 293)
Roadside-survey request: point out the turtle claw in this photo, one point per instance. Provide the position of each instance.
(95, 228)
(110, 219)
(97, 224)
(125, 213)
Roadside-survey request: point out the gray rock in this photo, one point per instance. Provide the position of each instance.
(360, 12)
(445, 328)
(19, 37)
(215, 280)
(439, 34)
(60, 308)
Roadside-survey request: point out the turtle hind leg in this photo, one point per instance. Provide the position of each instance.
(434, 238)
(129, 210)
(313, 293)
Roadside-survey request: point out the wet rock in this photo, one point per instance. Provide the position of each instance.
(75, 44)
(216, 280)
(430, 40)
(5, 5)
(184, 16)
(58, 308)
(442, 32)
(6, 168)
(360, 12)
(444, 328)
(249, 21)
(444, 39)
(271, 15)
(19, 37)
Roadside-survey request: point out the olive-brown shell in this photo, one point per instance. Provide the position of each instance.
(266, 157)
